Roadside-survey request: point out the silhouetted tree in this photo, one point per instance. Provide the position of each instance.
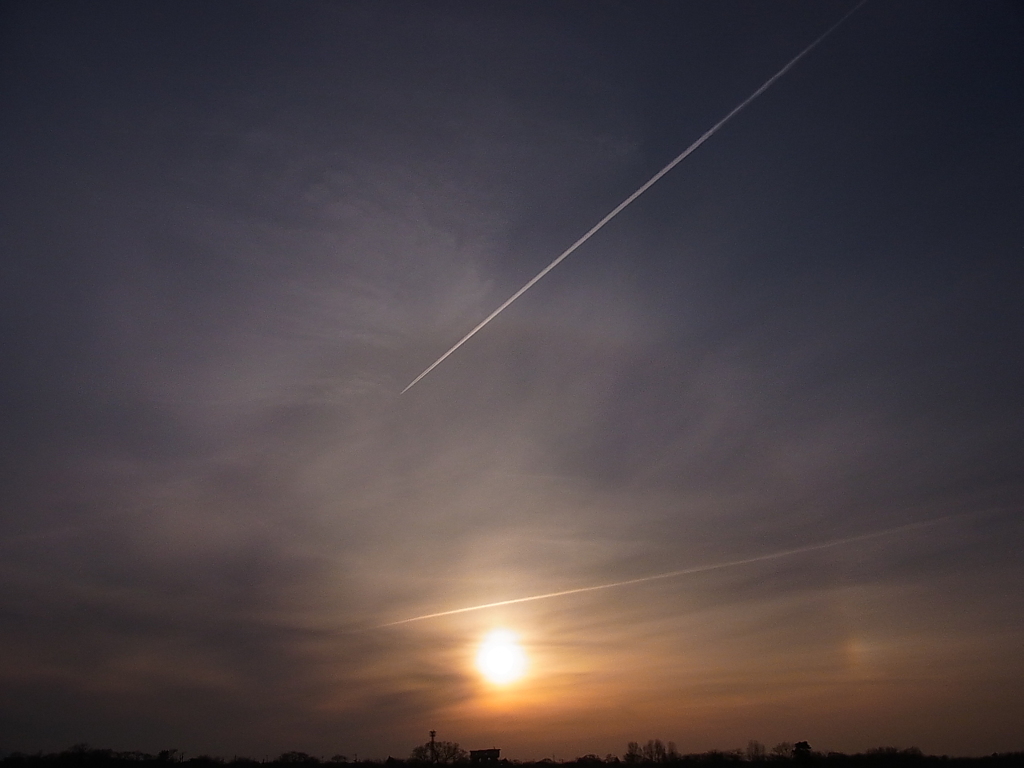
(444, 752)
(633, 753)
(717, 756)
(654, 751)
(297, 758)
(756, 751)
(205, 761)
(782, 750)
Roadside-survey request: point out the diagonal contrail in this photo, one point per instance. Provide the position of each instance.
(671, 574)
(619, 208)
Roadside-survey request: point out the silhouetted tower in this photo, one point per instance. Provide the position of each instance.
(433, 749)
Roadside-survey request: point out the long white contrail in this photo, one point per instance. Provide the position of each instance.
(650, 182)
(672, 574)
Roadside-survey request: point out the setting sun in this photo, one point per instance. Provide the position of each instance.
(500, 658)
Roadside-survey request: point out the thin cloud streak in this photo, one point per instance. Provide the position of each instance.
(621, 206)
(673, 574)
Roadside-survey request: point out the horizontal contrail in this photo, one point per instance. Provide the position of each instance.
(619, 208)
(671, 574)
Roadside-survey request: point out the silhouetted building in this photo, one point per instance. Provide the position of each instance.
(484, 756)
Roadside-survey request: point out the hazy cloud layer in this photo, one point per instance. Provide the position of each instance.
(233, 233)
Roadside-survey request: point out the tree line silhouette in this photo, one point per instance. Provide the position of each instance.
(653, 753)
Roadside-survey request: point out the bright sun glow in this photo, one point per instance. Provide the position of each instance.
(500, 658)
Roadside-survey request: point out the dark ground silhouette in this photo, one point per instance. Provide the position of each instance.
(654, 753)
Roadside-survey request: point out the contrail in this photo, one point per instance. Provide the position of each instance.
(672, 574)
(619, 208)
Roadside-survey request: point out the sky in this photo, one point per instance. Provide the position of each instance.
(230, 235)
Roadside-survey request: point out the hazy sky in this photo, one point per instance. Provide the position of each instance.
(232, 232)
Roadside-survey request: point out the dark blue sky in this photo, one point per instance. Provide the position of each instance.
(231, 233)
